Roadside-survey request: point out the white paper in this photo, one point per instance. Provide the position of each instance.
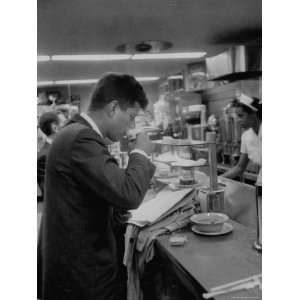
(153, 209)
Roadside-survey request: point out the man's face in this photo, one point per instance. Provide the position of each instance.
(61, 121)
(57, 126)
(121, 121)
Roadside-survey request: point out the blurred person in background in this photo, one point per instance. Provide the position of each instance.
(68, 110)
(50, 123)
(64, 109)
(41, 139)
(84, 186)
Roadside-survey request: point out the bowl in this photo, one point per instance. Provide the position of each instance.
(209, 222)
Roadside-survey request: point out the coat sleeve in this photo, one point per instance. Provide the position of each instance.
(41, 166)
(98, 171)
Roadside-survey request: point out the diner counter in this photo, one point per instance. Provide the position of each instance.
(208, 261)
(240, 202)
(246, 175)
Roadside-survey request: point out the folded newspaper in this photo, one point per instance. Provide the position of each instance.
(152, 210)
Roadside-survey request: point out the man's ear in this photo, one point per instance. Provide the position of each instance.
(112, 107)
(54, 128)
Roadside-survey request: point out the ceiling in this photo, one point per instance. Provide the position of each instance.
(99, 26)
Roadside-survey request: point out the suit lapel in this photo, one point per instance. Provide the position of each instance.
(78, 119)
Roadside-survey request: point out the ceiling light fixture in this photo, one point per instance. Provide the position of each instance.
(79, 81)
(150, 46)
(112, 57)
(90, 81)
(175, 77)
(45, 83)
(149, 78)
(198, 74)
(91, 57)
(41, 58)
(179, 55)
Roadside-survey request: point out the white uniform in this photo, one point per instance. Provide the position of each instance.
(251, 144)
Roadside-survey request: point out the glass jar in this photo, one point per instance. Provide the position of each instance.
(186, 176)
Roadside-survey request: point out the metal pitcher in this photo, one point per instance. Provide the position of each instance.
(258, 243)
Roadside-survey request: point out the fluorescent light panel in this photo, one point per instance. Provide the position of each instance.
(150, 78)
(179, 55)
(44, 83)
(175, 77)
(79, 81)
(112, 57)
(90, 81)
(91, 57)
(41, 58)
(198, 73)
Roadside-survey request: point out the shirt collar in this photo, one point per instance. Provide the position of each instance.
(48, 140)
(92, 123)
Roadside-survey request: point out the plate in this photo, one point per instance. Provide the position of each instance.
(227, 228)
(179, 142)
(193, 185)
(188, 163)
(166, 177)
(175, 183)
(168, 160)
(209, 218)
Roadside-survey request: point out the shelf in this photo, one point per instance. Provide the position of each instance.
(238, 76)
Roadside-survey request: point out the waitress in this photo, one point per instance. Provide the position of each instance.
(248, 112)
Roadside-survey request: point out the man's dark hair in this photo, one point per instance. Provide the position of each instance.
(121, 87)
(46, 120)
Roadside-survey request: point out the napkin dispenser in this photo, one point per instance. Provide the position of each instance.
(211, 200)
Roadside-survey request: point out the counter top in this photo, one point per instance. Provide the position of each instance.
(247, 175)
(210, 261)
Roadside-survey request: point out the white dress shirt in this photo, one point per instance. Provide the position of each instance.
(92, 123)
(251, 144)
(48, 140)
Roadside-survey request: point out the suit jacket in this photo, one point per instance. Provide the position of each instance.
(82, 187)
(41, 165)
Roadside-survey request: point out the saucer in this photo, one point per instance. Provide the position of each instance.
(170, 176)
(193, 185)
(227, 228)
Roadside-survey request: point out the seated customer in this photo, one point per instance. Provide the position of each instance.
(50, 123)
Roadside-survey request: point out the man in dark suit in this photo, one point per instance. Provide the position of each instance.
(50, 124)
(83, 186)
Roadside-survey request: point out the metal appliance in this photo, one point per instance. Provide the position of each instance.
(230, 137)
(237, 63)
(194, 117)
(212, 198)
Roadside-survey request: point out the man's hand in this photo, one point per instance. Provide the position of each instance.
(143, 142)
